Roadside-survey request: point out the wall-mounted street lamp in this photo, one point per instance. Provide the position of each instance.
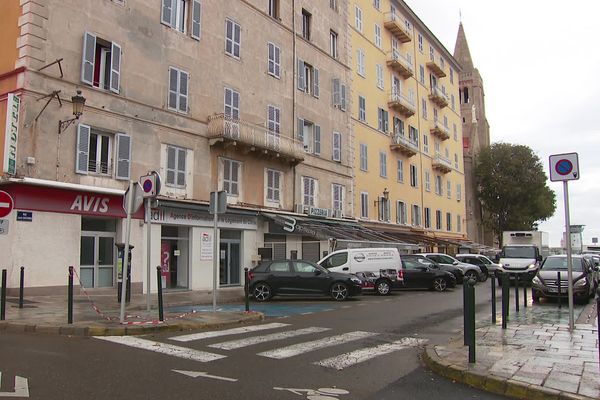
(78, 102)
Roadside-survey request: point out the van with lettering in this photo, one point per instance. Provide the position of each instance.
(383, 262)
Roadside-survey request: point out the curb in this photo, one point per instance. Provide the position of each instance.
(491, 383)
(96, 329)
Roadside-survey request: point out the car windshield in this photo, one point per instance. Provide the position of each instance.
(560, 264)
(485, 260)
(519, 252)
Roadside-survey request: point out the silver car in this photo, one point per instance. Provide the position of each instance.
(487, 266)
(469, 270)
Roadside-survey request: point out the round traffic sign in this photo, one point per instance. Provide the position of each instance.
(564, 167)
(147, 185)
(6, 204)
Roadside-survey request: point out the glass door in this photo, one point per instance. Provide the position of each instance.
(229, 263)
(97, 258)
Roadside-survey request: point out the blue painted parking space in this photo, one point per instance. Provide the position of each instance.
(271, 309)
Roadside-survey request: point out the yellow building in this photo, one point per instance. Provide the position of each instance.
(409, 176)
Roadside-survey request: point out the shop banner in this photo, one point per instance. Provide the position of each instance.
(181, 216)
(11, 134)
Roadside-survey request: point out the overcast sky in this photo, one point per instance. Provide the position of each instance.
(540, 66)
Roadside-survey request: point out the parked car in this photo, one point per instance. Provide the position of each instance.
(421, 272)
(380, 282)
(594, 259)
(300, 277)
(484, 263)
(545, 283)
(468, 270)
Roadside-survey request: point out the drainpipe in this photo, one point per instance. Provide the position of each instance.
(294, 77)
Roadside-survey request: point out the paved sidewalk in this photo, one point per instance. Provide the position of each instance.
(536, 357)
(98, 315)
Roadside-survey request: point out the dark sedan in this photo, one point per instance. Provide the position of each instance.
(300, 277)
(553, 269)
(421, 272)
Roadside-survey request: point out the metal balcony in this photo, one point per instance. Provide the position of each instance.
(400, 64)
(436, 67)
(441, 163)
(402, 104)
(438, 97)
(397, 26)
(404, 145)
(439, 130)
(252, 138)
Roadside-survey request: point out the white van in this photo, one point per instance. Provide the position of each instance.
(383, 262)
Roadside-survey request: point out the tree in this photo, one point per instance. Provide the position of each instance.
(512, 188)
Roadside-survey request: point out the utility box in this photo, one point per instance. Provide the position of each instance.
(120, 263)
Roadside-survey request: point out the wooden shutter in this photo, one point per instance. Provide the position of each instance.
(315, 72)
(123, 156)
(301, 82)
(88, 59)
(115, 68)
(335, 84)
(166, 12)
(183, 91)
(317, 144)
(83, 146)
(337, 146)
(196, 16)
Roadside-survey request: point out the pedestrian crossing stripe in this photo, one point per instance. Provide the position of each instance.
(358, 356)
(227, 332)
(237, 344)
(301, 348)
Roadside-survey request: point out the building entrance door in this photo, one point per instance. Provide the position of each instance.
(229, 261)
(97, 259)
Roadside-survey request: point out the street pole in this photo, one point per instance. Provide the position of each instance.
(148, 254)
(215, 252)
(126, 250)
(569, 259)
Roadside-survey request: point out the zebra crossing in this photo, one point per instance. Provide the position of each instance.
(263, 333)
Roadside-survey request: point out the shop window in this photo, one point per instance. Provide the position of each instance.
(96, 152)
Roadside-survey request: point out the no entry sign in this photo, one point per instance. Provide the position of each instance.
(564, 167)
(6, 204)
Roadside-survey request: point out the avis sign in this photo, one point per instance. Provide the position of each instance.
(12, 134)
(564, 167)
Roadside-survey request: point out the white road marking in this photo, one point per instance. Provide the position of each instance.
(162, 348)
(307, 313)
(21, 388)
(348, 359)
(236, 344)
(195, 374)
(305, 347)
(234, 331)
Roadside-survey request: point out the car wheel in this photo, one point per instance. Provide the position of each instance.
(339, 291)
(440, 284)
(471, 275)
(383, 287)
(262, 291)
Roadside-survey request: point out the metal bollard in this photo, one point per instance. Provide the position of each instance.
(161, 316)
(3, 297)
(471, 318)
(246, 289)
(598, 317)
(558, 282)
(525, 294)
(517, 292)
(465, 320)
(493, 281)
(21, 287)
(70, 297)
(505, 294)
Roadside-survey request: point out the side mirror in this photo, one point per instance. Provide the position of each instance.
(318, 272)
(455, 263)
(540, 258)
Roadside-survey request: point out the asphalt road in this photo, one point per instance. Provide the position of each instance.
(373, 355)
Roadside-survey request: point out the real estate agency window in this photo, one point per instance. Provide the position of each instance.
(232, 38)
(333, 44)
(309, 190)
(273, 185)
(306, 19)
(95, 152)
(101, 63)
(337, 196)
(414, 178)
(178, 90)
(176, 166)
(231, 177)
(176, 14)
(274, 60)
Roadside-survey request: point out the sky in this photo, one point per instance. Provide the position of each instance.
(540, 64)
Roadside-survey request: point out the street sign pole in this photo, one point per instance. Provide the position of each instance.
(148, 254)
(126, 250)
(215, 252)
(569, 258)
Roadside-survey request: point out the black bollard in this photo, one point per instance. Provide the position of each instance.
(465, 311)
(525, 294)
(246, 289)
(493, 281)
(598, 317)
(471, 318)
(517, 292)
(3, 297)
(505, 294)
(559, 288)
(70, 297)
(21, 287)
(161, 316)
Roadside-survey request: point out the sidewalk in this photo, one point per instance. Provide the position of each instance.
(536, 357)
(98, 315)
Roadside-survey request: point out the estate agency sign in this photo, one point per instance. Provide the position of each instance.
(12, 134)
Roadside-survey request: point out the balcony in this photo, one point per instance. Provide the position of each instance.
(400, 64)
(436, 67)
(441, 163)
(401, 104)
(404, 145)
(439, 130)
(253, 138)
(438, 97)
(397, 26)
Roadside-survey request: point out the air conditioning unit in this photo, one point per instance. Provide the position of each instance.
(299, 208)
(337, 213)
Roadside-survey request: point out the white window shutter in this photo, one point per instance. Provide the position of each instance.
(196, 17)
(317, 144)
(300, 129)
(115, 68)
(335, 83)
(315, 82)
(277, 61)
(337, 146)
(183, 91)
(343, 98)
(123, 156)
(88, 58)
(83, 146)
(173, 85)
(301, 82)
(166, 12)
